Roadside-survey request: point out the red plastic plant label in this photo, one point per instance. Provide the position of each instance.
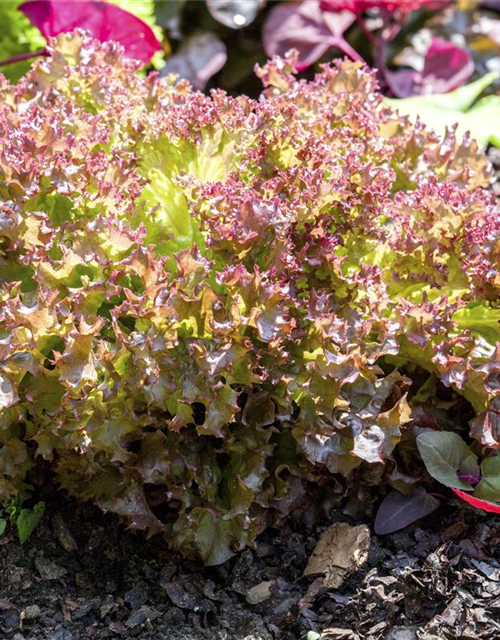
(476, 502)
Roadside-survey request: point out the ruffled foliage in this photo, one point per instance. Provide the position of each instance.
(210, 304)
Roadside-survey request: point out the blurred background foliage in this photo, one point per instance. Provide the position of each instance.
(419, 47)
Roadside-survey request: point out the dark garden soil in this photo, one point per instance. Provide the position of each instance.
(82, 576)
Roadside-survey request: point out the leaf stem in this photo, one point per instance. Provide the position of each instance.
(362, 25)
(23, 56)
(344, 46)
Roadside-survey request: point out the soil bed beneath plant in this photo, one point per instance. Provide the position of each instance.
(81, 575)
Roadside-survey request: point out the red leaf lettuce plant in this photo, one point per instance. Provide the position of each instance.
(211, 305)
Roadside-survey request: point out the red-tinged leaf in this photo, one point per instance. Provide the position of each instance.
(446, 67)
(103, 20)
(306, 28)
(476, 502)
(397, 511)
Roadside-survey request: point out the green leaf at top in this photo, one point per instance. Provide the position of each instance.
(444, 453)
(489, 487)
(481, 320)
(439, 111)
(28, 521)
(164, 12)
(3, 524)
(484, 121)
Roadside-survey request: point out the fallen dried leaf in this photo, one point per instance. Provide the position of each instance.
(340, 549)
(337, 633)
(259, 593)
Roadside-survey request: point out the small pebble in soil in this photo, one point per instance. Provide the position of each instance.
(48, 569)
(402, 634)
(137, 596)
(84, 610)
(259, 593)
(63, 534)
(106, 608)
(62, 634)
(32, 612)
(142, 615)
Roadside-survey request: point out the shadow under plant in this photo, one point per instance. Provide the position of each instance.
(80, 577)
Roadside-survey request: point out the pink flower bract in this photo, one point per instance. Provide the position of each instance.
(358, 6)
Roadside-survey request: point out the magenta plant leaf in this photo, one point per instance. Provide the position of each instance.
(397, 511)
(200, 56)
(446, 67)
(307, 28)
(402, 6)
(103, 20)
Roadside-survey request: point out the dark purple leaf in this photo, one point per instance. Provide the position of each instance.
(103, 20)
(200, 56)
(491, 4)
(446, 67)
(306, 28)
(397, 511)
